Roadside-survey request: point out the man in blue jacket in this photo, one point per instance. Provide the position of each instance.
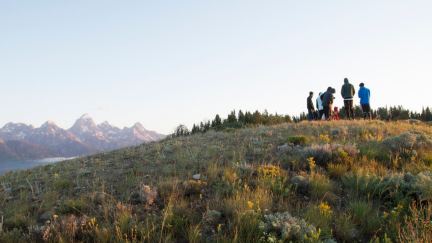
(364, 95)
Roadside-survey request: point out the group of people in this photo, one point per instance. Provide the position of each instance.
(324, 103)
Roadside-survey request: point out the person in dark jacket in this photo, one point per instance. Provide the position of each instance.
(310, 107)
(348, 93)
(327, 99)
(364, 95)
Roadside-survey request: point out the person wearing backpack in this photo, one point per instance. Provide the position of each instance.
(364, 95)
(327, 99)
(348, 93)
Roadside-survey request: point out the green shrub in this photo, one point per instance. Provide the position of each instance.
(337, 170)
(423, 185)
(247, 227)
(285, 227)
(345, 229)
(298, 140)
(326, 153)
(62, 184)
(14, 236)
(365, 216)
(17, 221)
(374, 150)
(321, 217)
(361, 185)
(406, 144)
(319, 186)
(427, 158)
(73, 206)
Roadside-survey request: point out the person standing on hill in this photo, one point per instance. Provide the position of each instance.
(310, 107)
(319, 106)
(364, 95)
(327, 100)
(348, 93)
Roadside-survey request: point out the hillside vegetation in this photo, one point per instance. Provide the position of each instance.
(301, 182)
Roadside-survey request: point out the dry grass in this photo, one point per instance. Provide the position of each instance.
(244, 175)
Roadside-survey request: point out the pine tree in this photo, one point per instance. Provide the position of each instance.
(207, 126)
(216, 123)
(232, 117)
(241, 117)
(256, 118)
(195, 129)
(428, 114)
(248, 118)
(181, 130)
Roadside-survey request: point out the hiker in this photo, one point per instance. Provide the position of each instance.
(319, 106)
(327, 99)
(310, 107)
(364, 95)
(348, 93)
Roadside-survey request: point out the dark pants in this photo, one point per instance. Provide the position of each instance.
(327, 112)
(311, 115)
(349, 109)
(366, 111)
(320, 114)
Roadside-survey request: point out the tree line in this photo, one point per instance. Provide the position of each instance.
(234, 120)
(240, 119)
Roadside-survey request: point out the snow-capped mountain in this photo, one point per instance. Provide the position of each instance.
(137, 133)
(111, 132)
(86, 130)
(19, 141)
(15, 131)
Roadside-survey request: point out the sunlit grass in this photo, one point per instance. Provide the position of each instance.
(351, 181)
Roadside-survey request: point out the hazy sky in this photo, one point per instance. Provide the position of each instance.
(168, 62)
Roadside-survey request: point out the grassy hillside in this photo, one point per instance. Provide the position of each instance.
(308, 182)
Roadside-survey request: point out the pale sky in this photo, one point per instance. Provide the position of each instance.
(169, 62)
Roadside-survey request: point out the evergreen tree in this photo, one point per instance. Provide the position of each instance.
(428, 114)
(207, 126)
(248, 118)
(241, 117)
(195, 129)
(383, 113)
(181, 130)
(256, 118)
(217, 122)
(232, 117)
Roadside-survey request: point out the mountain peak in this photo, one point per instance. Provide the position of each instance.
(86, 116)
(105, 124)
(138, 125)
(83, 125)
(49, 123)
(11, 125)
(85, 120)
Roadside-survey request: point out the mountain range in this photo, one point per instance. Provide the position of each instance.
(20, 141)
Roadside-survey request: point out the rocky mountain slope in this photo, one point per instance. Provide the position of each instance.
(19, 141)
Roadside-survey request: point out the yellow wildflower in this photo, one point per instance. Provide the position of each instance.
(250, 204)
(325, 209)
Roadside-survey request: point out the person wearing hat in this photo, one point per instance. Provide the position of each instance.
(364, 95)
(348, 93)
